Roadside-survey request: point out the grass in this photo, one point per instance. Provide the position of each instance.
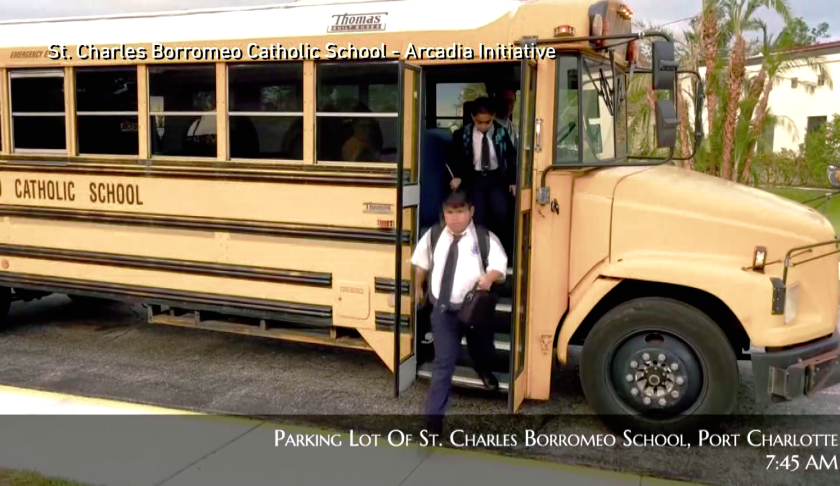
(830, 209)
(30, 478)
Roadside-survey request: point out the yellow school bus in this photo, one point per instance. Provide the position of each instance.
(268, 171)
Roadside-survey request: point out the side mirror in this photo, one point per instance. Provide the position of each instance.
(832, 176)
(698, 116)
(665, 66)
(666, 124)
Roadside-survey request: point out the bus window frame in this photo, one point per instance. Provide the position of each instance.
(347, 163)
(35, 73)
(267, 114)
(151, 114)
(77, 113)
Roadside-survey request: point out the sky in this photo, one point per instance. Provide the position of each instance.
(657, 11)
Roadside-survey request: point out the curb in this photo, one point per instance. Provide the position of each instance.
(78, 404)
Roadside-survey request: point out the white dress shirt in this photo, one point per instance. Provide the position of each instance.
(477, 136)
(468, 268)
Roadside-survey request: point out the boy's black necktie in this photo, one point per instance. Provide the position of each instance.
(485, 152)
(448, 276)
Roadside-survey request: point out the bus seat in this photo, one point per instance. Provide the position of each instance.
(467, 112)
(434, 176)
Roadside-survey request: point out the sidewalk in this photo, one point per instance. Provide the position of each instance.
(48, 433)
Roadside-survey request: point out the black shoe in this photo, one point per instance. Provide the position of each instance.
(490, 381)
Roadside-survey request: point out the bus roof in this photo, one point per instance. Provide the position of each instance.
(294, 18)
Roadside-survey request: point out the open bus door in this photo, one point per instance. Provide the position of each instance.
(408, 203)
(521, 258)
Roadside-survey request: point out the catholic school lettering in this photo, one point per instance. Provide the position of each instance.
(98, 192)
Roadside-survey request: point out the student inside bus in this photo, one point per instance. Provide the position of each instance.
(483, 163)
(505, 98)
(456, 268)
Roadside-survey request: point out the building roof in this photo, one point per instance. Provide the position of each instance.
(819, 49)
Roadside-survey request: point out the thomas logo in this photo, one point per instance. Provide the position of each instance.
(358, 22)
(377, 208)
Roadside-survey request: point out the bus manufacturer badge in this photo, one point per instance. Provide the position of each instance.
(365, 22)
(378, 208)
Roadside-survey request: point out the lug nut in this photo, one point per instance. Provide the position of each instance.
(634, 391)
(662, 402)
(647, 401)
(661, 357)
(675, 394)
(680, 381)
(675, 366)
(634, 365)
(629, 377)
(645, 357)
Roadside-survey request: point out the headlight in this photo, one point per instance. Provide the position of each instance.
(759, 258)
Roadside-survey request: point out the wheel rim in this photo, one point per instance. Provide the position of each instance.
(657, 374)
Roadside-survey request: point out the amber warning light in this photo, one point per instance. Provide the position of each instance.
(564, 31)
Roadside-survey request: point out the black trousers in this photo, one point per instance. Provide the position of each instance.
(492, 200)
(448, 332)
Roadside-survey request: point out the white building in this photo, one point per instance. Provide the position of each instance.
(791, 100)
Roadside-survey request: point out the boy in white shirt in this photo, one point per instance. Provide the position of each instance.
(456, 269)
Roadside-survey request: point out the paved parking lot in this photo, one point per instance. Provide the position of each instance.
(111, 352)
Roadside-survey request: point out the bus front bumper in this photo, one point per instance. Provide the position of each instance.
(797, 372)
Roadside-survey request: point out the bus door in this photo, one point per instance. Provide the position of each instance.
(408, 203)
(521, 258)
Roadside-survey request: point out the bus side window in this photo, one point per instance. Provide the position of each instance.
(357, 119)
(182, 110)
(266, 110)
(567, 134)
(37, 108)
(106, 110)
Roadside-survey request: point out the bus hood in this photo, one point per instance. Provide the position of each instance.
(673, 210)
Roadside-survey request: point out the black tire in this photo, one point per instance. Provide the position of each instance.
(706, 383)
(5, 304)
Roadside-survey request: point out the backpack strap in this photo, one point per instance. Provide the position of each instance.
(483, 237)
(434, 236)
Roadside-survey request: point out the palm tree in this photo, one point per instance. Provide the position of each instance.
(740, 19)
(777, 61)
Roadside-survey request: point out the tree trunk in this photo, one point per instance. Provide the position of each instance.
(710, 48)
(685, 137)
(736, 79)
(760, 113)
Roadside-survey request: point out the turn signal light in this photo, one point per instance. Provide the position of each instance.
(564, 31)
(625, 12)
(759, 258)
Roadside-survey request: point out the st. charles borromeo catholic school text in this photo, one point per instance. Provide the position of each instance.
(339, 23)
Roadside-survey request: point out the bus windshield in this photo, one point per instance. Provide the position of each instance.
(590, 128)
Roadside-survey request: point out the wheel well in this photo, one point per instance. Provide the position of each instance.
(705, 302)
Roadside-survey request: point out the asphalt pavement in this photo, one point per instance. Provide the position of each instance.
(111, 352)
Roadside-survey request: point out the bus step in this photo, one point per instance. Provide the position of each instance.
(505, 305)
(500, 341)
(465, 377)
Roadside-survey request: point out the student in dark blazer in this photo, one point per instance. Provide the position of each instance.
(483, 163)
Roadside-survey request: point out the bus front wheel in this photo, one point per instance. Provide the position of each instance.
(656, 361)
